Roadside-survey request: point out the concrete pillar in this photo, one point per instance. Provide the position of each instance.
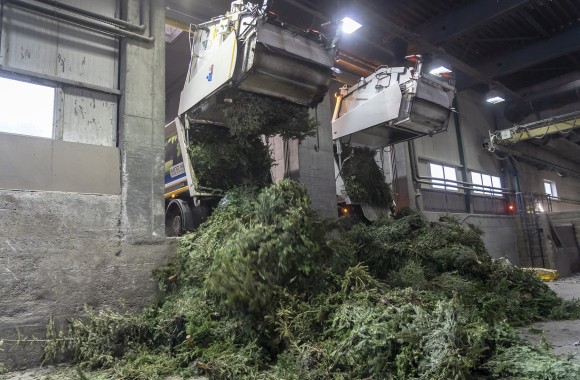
(316, 163)
(142, 118)
(310, 162)
(405, 189)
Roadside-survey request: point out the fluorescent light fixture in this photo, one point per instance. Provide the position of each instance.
(349, 25)
(495, 100)
(494, 97)
(440, 70)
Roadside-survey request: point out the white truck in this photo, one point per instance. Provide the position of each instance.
(249, 49)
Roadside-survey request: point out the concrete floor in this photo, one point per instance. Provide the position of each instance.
(564, 336)
(567, 288)
(46, 373)
(66, 373)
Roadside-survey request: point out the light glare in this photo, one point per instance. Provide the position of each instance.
(26, 108)
(440, 70)
(495, 100)
(349, 25)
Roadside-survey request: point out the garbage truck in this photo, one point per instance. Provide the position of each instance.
(251, 50)
(248, 49)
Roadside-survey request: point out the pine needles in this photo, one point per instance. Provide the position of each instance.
(223, 158)
(364, 181)
(250, 114)
(260, 291)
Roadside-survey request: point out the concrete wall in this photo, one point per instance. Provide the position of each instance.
(62, 249)
(33, 163)
(500, 233)
(59, 252)
(532, 180)
(566, 261)
(141, 129)
(476, 119)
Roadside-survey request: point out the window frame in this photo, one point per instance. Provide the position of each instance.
(441, 183)
(553, 193)
(485, 191)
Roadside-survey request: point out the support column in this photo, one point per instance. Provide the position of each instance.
(142, 117)
(316, 157)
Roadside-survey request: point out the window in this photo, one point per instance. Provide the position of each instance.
(550, 188)
(26, 108)
(492, 182)
(444, 173)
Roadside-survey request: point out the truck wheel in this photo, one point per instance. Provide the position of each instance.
(173, 224)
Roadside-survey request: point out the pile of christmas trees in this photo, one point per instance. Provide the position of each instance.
(267, 290)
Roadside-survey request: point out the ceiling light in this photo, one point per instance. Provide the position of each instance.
(349, 25)
(440, 71)
(495, 100)
(494, 97)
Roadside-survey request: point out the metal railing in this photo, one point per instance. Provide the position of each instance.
(496, 195)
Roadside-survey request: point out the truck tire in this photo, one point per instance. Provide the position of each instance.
(173, 223)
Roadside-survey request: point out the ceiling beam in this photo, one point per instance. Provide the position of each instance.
(564, 148)
(559, 45)
(466, 18)
(541, 158)
(308, 7)
(378, 21)
(370, 18)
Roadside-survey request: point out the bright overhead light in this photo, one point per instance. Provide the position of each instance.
(349, 25)
(495, 100)
(494, 97)
(440, 71)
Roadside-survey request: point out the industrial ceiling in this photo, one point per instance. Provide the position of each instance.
(510, 44)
